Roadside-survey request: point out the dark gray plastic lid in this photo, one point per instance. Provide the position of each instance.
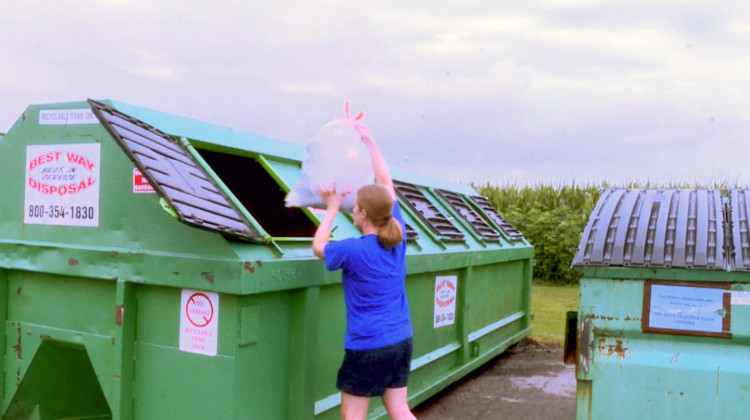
(741, 236)
(655, 228)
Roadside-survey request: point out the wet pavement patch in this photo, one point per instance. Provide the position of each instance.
(528, 381)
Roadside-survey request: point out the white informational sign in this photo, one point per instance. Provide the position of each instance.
(687, 308)
(62, 185)
(67, 116)
(445, 300)
(740, 297)
(199, 322)
(140, 183)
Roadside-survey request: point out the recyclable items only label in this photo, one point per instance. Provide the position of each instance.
(79, 116)
(199, 322)
(445, 300)
(62, 184)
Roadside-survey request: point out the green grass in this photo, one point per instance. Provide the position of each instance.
(549, 303)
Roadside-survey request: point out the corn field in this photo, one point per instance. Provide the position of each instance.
(552, 218)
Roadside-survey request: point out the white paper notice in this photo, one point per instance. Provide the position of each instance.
(62, 185)
(687, 308)
(199, 322)
(445, 300)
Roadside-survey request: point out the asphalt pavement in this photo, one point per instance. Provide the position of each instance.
(527, 381)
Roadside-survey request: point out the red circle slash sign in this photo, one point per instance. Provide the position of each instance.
(199, 310)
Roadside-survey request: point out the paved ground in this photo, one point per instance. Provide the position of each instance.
(528, 381)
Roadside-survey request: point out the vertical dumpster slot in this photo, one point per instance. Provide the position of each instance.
(430, 215)
(260, 194)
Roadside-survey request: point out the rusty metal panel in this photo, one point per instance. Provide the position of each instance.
(655, 228)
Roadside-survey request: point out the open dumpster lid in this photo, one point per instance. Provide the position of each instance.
(175, 174)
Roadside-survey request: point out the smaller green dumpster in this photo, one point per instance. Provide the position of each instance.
(663, 323)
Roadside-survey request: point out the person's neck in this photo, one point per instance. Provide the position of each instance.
(369, 228)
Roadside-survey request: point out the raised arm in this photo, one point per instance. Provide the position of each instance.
(382, 173)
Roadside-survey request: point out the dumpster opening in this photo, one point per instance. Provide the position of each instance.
(261, 195)
(60, 383)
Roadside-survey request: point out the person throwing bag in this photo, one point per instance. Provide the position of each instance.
(378, 340)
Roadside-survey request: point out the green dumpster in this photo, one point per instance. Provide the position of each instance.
(662, 325)
(150, 270)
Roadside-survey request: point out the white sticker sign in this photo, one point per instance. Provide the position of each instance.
(140, 183)
(199, 322)
(62, 185)
(77, 116)
(740, 298)
(445, 300)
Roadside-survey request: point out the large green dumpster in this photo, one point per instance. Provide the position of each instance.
(662, 324)
(150, 270)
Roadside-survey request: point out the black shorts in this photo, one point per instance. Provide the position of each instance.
(367, 373)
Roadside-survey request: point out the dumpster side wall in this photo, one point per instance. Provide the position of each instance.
(248, 378)
(64, 319)
(633, 374)
(3, 326)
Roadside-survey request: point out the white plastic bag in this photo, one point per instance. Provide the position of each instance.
(335, 154)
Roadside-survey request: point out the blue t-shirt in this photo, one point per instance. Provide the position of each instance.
(377, 312)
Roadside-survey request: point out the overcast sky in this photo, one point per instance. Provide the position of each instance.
(471, 91)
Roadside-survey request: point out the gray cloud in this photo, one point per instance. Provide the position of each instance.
(472, 91)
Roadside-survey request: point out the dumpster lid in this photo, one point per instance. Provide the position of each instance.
(655, 228)
(411, 233)
(429, 214)
(740, 229)
(477, 222)
(484, 204)
(175, 174)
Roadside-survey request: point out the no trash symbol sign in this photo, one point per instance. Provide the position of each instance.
(199, 322)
